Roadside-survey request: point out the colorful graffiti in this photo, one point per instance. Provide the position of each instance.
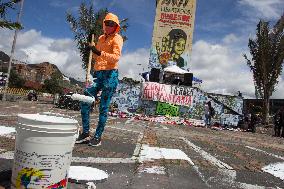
(127, 97)
(167, 109)
(190, 101)
(233, 102)
(26, 176)
(229, 119)
(149, 107)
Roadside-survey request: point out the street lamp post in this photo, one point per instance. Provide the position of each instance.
(12, 51)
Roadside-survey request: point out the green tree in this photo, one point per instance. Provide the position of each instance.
(16, 80)
(54, 84)
(4, 7)
(266, 63)
(87, 23)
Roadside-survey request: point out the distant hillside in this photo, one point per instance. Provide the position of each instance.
(74, 82)
(4, 57)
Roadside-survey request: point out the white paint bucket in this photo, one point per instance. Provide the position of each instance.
(43, 151)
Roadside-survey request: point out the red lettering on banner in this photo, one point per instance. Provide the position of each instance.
(178, 100)
(174, 17)
(163, 88)
(175, 22)
(162, 93)
(161, 97)
(185, 18)
(183, 99)
(146, 86)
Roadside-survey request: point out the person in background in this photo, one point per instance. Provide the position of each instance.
(282, 122)
(207, 113)
(277, 123)
(106, 54)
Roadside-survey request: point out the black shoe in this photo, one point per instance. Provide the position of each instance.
(83, 138)
(95, 142)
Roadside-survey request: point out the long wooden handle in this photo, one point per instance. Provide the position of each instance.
(90, 61)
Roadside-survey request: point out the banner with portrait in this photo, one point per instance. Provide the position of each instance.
(172, 35)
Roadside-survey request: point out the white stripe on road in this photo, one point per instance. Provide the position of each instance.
(208, 156)
(10, 155)
(102, 160)
(227, 174)
(267, 153)
(138, 146)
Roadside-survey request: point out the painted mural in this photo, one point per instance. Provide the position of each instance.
(167, 109)
(159, 99)
(172, 35)
(127, 97)
(229, 119)
(233, 102)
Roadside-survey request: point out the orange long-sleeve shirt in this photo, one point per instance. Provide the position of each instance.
(110, 47)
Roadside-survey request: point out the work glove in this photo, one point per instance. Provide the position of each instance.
(92, 47)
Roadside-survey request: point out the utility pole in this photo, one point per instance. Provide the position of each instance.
(12, 51)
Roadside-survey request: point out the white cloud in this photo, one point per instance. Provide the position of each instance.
(33, 47)
(224, 70)
(133, 63)
(221, 67)
(268, 9)
(231, 38)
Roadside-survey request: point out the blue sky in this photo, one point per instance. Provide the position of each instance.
(222, 29)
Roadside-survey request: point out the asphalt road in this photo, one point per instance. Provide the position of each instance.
(188, 157)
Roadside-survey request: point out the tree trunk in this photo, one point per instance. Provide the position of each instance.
(266, 110)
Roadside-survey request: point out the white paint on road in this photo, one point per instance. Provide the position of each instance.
(6, 130)
(226, 174)
(15, 106)
(101, 160)
(276, 169)
(207, 156)
(150, 153)
(160, 170)
(267, 153)
(138, 145)
(82, 173)
(10, 155)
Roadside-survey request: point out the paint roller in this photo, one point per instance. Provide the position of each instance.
(83, 98)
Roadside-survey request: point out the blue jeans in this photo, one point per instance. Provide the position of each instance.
(208, 119)
(107, 81)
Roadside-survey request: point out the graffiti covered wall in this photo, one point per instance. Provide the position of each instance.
(159, 99)
(127, 97)
(172, 35)
(162, 96)
(233, 102)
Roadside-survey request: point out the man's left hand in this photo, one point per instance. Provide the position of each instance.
(92, 46)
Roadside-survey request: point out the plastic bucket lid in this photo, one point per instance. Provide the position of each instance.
(47, 123)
